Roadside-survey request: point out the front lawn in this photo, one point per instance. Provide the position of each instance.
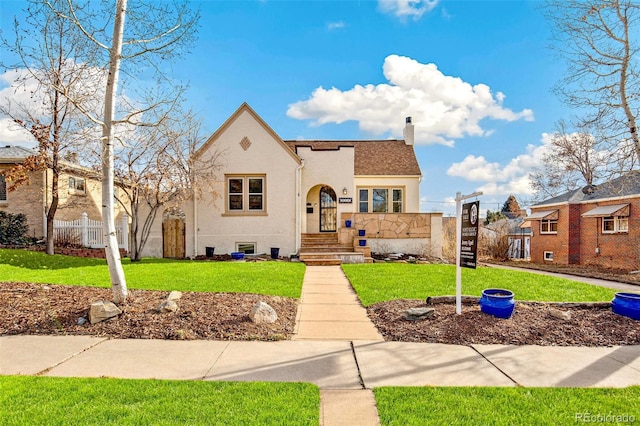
(271, 278)
(63, 401)
(506, 406)
(381, 282)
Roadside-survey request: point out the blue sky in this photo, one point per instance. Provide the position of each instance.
(476, 77)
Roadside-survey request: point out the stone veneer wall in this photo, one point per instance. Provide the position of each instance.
(391, 225)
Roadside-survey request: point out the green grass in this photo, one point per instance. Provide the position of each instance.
(380, 282)
(504, 406)
(66, 401)
(272, 278)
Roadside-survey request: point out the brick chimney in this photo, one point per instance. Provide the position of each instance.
(408, 132)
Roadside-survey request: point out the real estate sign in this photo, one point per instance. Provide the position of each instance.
(469, 241)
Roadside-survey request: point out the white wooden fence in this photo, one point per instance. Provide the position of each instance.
(88, 232)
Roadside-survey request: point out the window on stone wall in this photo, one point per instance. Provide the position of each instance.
(549, 226)
(615, 224)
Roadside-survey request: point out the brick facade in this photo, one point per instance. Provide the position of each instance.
(580, 240)
(29, 200)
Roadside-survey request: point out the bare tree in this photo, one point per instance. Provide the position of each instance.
(573, 161)
(42, 71)
(156, 33)
(599, 40)
(157, 170)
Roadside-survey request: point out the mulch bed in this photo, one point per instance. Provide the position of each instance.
(531, 324)
(29, 308)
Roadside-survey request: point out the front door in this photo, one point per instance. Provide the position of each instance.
(328, 210)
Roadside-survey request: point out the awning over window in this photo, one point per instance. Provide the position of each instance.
(525, 224)
(545, 214)
(612, 210)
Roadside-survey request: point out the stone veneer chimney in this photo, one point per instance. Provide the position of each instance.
(407, 133)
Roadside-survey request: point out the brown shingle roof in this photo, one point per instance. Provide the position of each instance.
(372, 158)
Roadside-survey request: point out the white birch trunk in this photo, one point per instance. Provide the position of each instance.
(118, 283)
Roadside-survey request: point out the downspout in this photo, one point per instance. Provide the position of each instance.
(298, 206)
(195, 225)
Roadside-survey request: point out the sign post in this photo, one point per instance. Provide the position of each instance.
(466, 239)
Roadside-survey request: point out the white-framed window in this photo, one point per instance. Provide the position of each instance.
(77, 185)
(549, 226)
(246, 194)
(246, 248)
(548, 255)
(380, 200)
(615, 224)
(3, 189)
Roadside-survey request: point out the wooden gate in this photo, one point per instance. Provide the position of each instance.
(173, 237)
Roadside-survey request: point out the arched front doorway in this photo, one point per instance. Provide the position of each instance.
(328, 210)
(173, 234)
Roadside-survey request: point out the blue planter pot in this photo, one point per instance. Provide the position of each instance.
(362, 243)
(361, 232)
(627, 304)
(347, 223)
(237, 255)
(497, 302)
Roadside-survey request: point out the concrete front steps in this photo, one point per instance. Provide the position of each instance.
(324, 249)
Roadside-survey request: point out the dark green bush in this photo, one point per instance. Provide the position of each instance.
(13, 228)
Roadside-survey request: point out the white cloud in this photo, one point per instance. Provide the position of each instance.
(443, 107)
(513, 178)
(335, 25)
(407, 8)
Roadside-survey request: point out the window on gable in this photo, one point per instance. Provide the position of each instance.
(3, 189)
(380, 200)
(76, 185)
(549, 226)
(615, 224)
(245, 194)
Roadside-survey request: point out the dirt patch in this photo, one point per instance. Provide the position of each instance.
(531, 324)
(28, 308)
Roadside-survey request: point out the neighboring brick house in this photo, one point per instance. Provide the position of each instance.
(594, 225)
(80, 191)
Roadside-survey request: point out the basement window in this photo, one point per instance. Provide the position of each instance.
(548, 255)
(246, 248)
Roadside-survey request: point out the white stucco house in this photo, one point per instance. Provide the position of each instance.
(301, 196)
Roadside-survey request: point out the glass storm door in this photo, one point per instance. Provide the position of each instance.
(328, 210)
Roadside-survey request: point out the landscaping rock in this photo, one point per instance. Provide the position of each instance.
(167, 306)
(101, 311)
(174, 295)
(417, 314)
(262, 313)
(557, 313)
(81, 321)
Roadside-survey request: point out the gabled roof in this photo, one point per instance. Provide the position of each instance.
(245, 108)
(14, 154)
(372, 157)
(627, 185)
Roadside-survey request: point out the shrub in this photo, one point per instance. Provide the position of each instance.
(13, 228)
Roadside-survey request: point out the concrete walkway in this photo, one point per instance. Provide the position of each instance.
(329, 308)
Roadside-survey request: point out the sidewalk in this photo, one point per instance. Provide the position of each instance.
(335, 347)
